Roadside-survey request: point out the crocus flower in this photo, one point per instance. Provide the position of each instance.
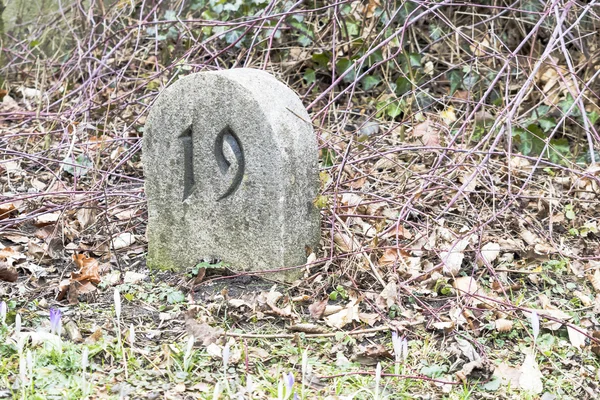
(85, 354)
(397, 343)
(118, 304)
(131, 335)
(18, 323)
(55, 326)
(377, 380)
(289, 380)
(289, 384)
(3, 310)
(226, 353)
(535, 325)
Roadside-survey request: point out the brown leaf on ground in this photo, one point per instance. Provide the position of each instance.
(372, 354)
(465, 285)
(47, 219)
(531, 376)
(345, 242)
(389, 257)
(88, 269)
(344, 317)
(77, 288)
(200, 276)
(596, 344)
(428, 132)
(317, 308)
(503, 325)
(86, 216)
(7, 272)
(202, 332)
(271, 298)
(6, 210)
(595, 280)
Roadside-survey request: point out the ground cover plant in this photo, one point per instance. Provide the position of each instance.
(459, 163)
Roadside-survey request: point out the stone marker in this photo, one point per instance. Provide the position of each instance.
(230, 160)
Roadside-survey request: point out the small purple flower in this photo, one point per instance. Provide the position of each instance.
(226, 353)
(397, 343)
(55, 326)
(3, 310)
(289, 381)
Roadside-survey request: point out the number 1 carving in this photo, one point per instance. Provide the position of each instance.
(188, 162)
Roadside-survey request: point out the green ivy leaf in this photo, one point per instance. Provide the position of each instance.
(394, 109)
(328, 157)
(493, 384)
(344, 64)
(546, 123)
(455, 77)
(309, 76)
(321, 59)
(434, 371)
(415, 60)
(559, 150)
(170, 15)
(233, 36)
(304, 40)
(376, 57)
(403, 86)
(82, 165)
(569, 212)
(353, 29)
(175, 297)
(369, 82)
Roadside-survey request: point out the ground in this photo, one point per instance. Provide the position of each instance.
(460, 253)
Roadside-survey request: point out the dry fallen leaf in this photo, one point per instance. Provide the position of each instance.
(345, 243)
(453, 258)
(503, 325)
(531, 376)
(47, 219)
(465, 285)
(389, 294)
(445, 326)
(389, 257)
(317, 308)
(372, 354)
(88, 269)
(576, 337)
(125, 239)
(6, 209)
(448, 115)
(595, 280)
(202, 332)
(509, 375)
(8, 273)
(272, 298)
(428, 132)
(344, 317)
(489, 253)
(86, 216)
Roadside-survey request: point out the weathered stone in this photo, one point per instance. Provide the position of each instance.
(230, 160)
